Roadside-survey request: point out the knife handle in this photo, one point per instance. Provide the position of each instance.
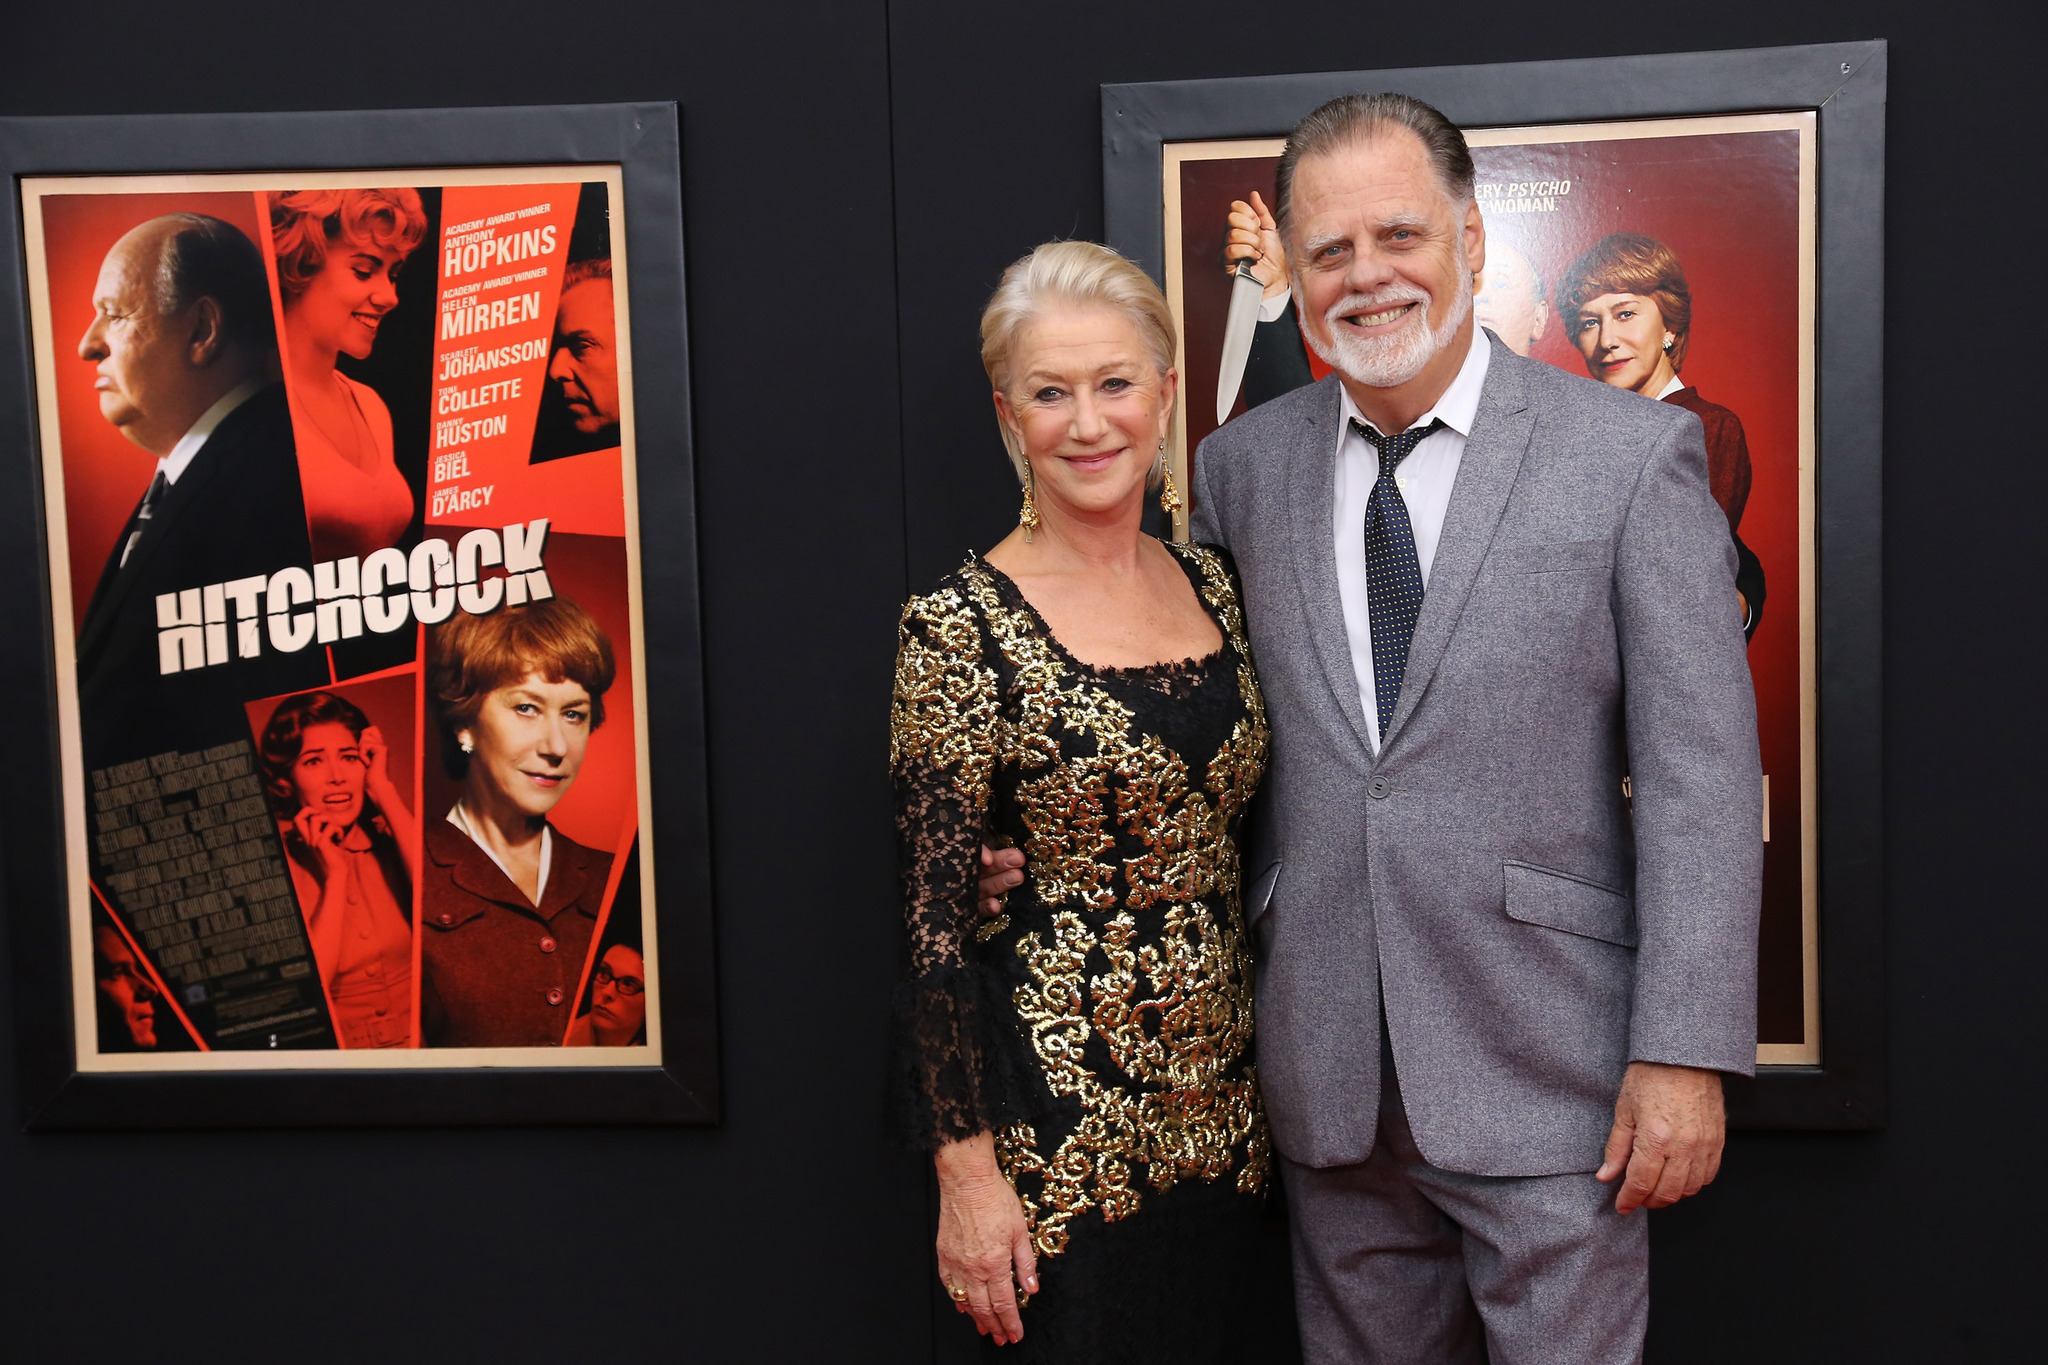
(1244, 270)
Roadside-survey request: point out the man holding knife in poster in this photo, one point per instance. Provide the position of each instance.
(1484, 974)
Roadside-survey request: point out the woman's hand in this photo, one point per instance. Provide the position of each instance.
(376, 755)
(1255, 237)
(984, 1242)
(323, 836)
(390, 803)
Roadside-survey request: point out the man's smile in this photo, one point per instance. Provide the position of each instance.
(1362, 321)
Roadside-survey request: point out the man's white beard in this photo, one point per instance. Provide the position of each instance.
(1388, 362)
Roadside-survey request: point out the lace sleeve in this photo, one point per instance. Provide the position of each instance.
(958, 1069)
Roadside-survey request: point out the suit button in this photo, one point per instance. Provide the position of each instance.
(555, 996)
(1380, 789)
(547, 945)
(444, 919)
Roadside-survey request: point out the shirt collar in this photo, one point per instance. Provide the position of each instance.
(459, 818)
(1673, 387)
(1457, 409)
(175, 463)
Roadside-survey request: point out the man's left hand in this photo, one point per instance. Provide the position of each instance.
(1669, 1126)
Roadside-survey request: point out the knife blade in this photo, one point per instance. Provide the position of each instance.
(1238, 326)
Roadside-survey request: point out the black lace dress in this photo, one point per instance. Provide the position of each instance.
(1101, 1027)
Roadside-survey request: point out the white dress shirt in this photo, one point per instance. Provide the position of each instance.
(459, 818)
(1673, 387)
(1425, 479)
(175, 463)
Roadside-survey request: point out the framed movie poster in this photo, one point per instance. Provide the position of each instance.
(1704, 186)
(342, 473)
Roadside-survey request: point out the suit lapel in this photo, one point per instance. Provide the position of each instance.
(97, 607)
(1486, 475)
(1311, 487)
(202, 473)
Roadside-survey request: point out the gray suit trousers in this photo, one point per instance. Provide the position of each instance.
(1399, 1263)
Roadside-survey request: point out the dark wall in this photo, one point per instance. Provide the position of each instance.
(792, 1226)
(855, 177)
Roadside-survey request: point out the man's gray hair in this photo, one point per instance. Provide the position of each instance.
(205, 257)
(1351, 119)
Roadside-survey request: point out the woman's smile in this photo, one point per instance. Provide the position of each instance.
(529, 741)
(1089, 463)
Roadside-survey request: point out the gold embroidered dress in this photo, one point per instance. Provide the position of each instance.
(1102, 1026)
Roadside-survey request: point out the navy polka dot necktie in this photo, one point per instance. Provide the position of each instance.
(1393, 573)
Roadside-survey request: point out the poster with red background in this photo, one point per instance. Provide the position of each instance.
(1732, 199)
(342, 528)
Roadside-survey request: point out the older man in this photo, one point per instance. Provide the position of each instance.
(182, 348)
(584, 367)
(1510, 299)
(1482, 593)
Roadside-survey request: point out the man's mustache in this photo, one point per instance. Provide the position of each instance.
(1376, 302)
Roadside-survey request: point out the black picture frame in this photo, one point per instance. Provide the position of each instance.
(1844, 83)
(644, 139)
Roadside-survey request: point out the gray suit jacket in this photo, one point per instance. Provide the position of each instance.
(1531, 934)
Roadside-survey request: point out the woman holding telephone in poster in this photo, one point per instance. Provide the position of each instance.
(354, 859)
(338, 258)
(1079, 1066)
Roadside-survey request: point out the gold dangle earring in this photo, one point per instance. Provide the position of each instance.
(1169, 496)
(1027, 517)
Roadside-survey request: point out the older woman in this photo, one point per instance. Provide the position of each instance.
(338, 258)
(1080, 1066)
(1627, 307)
(510, 902)
(354, 859)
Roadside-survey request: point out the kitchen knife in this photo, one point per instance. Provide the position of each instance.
(1238, 325)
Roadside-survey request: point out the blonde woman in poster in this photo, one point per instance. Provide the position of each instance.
(338, 258)
(354, 857)
(510, 904)
(1080, 1066)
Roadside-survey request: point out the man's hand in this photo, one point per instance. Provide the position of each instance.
(1001, 869)
(1669, 1126)
(1255, 237)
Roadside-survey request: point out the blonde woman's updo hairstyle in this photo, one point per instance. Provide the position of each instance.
(1071, 275)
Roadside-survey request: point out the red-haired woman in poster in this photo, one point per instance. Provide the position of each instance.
(1627, 307)
(338, 258)
(354, 859)
(510, 903)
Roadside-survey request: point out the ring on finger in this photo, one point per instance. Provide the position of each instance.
(957, 1293)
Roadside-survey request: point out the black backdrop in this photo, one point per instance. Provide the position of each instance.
(855, 177)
